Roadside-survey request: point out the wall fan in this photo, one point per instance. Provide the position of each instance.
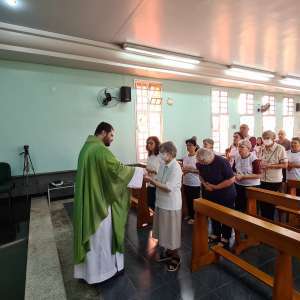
(264, 108)
(108, 97)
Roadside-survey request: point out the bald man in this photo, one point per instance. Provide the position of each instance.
(283, 141)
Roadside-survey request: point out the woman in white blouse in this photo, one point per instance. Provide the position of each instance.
(191, 180)
(167, 218)
(247, 170)
(293, 169)
(232, 151)
(153, 163)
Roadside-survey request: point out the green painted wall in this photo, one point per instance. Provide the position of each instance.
(54, 109)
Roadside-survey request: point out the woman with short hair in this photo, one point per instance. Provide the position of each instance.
(247, 169)
(232, 151)
(274, 159)
(191, 181)
(293, 155)
(167, 218)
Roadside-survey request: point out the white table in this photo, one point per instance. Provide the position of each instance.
(66, 185)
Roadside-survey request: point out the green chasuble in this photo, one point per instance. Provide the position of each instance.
(101, 181)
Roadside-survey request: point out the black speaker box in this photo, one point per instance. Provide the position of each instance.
(297, 106)
(125, 94)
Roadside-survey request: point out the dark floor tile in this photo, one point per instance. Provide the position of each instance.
(211, 296)
(296, 267)
(231, 268)
(268, 267)
(238, 291)
(254, 284)
(214, 276)
(259, 255)
(189, 287)
(143, 274)
(297, 284)
(165, 293)
(185, 287)
(119, 288)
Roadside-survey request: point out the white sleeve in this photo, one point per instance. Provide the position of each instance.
(137, 179)
(174, 180)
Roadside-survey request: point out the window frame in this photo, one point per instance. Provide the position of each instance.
(219, 113)
(270, 113)
(248, 112)
(141, 136)
(288, 114)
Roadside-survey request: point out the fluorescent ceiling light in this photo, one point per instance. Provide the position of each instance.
(248, 73)
(11, 2)
(176, 64)
(291, 81)
(162, 54)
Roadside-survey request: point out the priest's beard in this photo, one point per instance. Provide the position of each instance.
(107, 141)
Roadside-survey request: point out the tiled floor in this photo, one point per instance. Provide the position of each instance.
(145, 279)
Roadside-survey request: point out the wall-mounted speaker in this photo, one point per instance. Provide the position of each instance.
(125, 94)
(297, 107)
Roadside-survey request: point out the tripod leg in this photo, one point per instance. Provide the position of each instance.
(31, 164)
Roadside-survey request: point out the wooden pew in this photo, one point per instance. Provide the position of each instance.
(139, 200)
(293, 215)
(275, 198)
(286, 241)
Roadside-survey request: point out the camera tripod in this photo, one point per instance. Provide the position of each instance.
(28, 165)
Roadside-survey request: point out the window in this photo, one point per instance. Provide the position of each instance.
(148, 114)
(288, 116)
(269, 118)
(220, 120)
(246, 111)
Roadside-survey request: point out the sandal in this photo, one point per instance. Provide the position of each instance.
(174, 264)
(163, 257)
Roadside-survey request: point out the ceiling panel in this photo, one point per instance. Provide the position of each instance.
(98, 20)
(258, 33)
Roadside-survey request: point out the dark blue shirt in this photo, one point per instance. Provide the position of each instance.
(214, 173)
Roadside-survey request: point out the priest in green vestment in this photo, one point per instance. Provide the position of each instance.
(101, 204)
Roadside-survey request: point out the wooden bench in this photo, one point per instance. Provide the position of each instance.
(278, 199)
(139, 200)
(286, 241)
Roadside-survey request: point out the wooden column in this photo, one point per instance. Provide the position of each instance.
(201, 255)
(143, 214)
(241, 245)
(293, 219)
(283, 280)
